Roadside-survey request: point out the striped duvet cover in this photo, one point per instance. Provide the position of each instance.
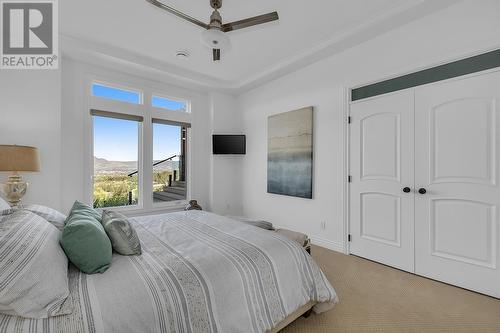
(199, 272)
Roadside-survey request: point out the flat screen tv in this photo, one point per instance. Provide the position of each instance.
(229, 144)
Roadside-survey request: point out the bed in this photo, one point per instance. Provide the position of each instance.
(198, 272)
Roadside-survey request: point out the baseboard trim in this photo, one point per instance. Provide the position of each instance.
(326, 243)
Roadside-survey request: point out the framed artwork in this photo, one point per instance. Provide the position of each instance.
(290, 153)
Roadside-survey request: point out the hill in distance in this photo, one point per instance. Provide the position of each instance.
(105, 167)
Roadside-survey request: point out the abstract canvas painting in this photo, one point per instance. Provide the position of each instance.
(290, 153)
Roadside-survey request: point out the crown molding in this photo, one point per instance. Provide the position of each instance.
(105, 55)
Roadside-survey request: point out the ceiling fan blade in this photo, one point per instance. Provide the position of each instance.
(250, 22)
(178, 13)
(216, 54)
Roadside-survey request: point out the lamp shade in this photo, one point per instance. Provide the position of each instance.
(19, 158)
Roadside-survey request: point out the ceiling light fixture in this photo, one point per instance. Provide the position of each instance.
(215, 39)
(214, 35)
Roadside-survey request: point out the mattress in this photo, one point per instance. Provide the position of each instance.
(199, 272)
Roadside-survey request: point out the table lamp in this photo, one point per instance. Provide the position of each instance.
(17, 159)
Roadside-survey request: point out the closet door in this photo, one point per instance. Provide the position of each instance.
(457, 145)
(381, 190)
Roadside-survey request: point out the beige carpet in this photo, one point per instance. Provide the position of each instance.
(377, 298)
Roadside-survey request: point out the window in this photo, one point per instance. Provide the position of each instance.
(169, 161)
(165, 103)
(116, 94)
(116, 152)
(138, 142)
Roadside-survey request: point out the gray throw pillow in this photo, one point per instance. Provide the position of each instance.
(254, 222)
(121, 233)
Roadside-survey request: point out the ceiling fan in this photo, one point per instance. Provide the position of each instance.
(214, 35)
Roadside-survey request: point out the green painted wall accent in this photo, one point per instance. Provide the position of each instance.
(453, 69)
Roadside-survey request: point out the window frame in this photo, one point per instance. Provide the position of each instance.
(148, 112)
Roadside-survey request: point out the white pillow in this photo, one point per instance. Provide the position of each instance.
(53, 216)
(4, 205)
(33, 268)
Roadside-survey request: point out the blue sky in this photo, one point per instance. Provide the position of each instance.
(133, 97)
(164, 103)
(166, 141)
(117, 140)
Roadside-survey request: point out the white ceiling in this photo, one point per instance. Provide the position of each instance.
(135, 28)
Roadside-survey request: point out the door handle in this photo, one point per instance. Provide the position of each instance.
(422, 190)
(407, 189)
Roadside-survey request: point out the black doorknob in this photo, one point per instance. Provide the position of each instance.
(407, 189)
(422, 190)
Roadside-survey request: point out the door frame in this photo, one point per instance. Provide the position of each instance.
(346, 112)
(346, 148)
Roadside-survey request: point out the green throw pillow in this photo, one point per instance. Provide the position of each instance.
(121, 233)
(84, 240)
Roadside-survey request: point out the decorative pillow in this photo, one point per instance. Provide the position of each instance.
(33, 268)
(256, 223)
(4, 205)
(85, 241)
(121, 233)
(84, 210)
(53, 216)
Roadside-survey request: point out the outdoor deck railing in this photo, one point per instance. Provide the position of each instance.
(155, 164)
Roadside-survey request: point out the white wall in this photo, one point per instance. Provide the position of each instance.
(75, 129)
(226, 179)
(461, 30)
(30, 114)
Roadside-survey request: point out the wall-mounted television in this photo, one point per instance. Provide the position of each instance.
(228, 144)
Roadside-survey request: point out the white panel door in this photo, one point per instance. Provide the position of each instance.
(381, 167)
(456, 163)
